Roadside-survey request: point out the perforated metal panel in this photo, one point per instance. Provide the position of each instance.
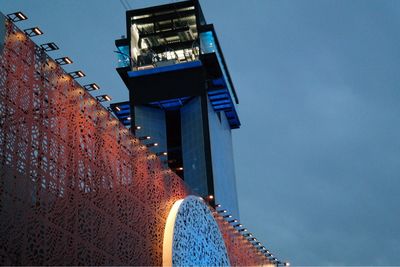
(76, 188)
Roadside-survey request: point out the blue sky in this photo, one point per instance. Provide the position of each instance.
(318, 154)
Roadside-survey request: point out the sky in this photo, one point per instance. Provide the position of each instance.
(318, 155)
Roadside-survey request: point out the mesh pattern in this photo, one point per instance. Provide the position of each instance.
(76, 188)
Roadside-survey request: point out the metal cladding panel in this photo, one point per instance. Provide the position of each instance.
(76, 188)
(167, 85)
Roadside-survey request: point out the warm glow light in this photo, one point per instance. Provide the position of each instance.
(108, 98)
(169, 234)
(37, 31)
(180, 169)
(117, 108)
(211, 197)
(69, 61)
(21, 16)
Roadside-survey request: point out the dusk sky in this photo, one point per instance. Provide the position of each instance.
(318, 155)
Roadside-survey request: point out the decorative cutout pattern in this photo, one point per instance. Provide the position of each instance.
(76, 188)
(197, 240)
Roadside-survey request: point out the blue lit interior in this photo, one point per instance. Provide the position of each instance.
(123, 56)
(170, 104)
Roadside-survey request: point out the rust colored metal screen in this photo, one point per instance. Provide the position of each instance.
(76, 188)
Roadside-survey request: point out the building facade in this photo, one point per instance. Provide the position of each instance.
(181, 95)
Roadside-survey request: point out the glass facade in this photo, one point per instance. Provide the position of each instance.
(123, 56)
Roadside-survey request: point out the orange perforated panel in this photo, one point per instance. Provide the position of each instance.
(240, 251)
(76, 188)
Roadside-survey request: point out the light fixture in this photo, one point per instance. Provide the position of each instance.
(152, 144)
(233, 221)
(238, 225)
(103, 98)
(137, 127)
(91, 87)
(63, 60)
(227, 216)
(210, 197)
(222, 211)
(17, 16)
(77, 74)
(162, 153)
(218, 206)
(242, 230)
(286, 264)
(33, 31)
(118, 109)
(129, 118)
(144, 137)
(49, 47)
(179, 169)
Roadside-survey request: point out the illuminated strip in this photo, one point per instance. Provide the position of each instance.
(169, 233)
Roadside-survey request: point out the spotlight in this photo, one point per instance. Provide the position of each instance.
(152, 144)
(161, 153)
(211, 197)
(35, 31)
(242, 230)
(227, 216)
(286, 264)
(118, 109)
(17, 16)
(179, 169)
(233, 221)
(137, 127)
(238, 225)
(91, 87)
(103, 98)
(63, 60)
(144, 137)
(218, 206)
(77, 74)
(129, 118)
(222, 211)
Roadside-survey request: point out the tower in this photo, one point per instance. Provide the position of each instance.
(181, 95)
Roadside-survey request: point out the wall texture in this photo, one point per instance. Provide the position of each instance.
(76, 188)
